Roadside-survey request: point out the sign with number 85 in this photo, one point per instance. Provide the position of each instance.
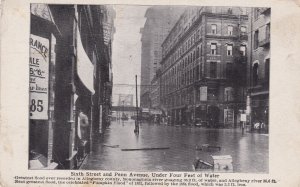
(39, 77)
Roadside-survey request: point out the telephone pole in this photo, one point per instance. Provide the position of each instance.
(137, 129)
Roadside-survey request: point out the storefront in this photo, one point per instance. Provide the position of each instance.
(260, 111)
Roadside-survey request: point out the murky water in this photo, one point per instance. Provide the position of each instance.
(249, 151)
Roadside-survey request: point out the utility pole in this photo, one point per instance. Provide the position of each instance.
(250, 76)
(137, 129)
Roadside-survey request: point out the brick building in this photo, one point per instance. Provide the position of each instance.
(203, 67)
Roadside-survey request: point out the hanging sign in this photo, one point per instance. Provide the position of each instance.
(38, 77)
(244, 117)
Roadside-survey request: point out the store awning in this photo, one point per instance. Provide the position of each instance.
(85, 68)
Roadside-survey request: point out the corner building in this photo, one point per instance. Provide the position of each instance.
(203, 67)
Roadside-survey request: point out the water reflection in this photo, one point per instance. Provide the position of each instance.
(249, 151)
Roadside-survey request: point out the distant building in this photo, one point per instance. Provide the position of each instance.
(120, 111)
(203, 67)
(160, 20)
(259, 65)
(125, 100)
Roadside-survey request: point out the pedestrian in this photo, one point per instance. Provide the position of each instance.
(137, 128)
(243, 127)
(82, 130)
(262, 126)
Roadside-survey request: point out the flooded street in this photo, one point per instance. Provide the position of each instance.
(249, 151)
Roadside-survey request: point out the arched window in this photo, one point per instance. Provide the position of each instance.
(255, 74)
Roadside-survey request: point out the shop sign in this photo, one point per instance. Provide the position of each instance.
(215, 58)
(107, 29)
(38, 77)
(203, 93)
(243, 117)
(228, 116)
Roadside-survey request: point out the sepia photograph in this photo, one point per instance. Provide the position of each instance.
(149, 88)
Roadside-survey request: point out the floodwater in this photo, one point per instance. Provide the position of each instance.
(249, 151)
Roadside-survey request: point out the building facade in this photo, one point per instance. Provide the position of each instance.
(155, 93)
(153, 33)
(68, 76)
(203, 67)
(259, 66)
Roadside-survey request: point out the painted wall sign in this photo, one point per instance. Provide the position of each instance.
(38, 77)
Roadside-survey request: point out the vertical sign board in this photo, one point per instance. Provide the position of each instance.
(39, 77)
(203, 93)
(243, 117)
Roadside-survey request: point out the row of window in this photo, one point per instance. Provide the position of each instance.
(229, 49)
(183, 79)
(196, 53)
(194, 14)
(195, 36)
(214, 29)
(188, 43)
(190, 98)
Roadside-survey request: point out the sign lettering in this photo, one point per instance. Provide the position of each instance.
(39, 77)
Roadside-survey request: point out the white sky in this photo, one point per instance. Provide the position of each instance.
(126, 50)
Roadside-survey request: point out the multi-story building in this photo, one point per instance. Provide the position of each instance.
(70, 77)
(160, 20)
(154, 93)
(258, 70)
(203, 67)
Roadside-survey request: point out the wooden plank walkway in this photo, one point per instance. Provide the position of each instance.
(146, 149)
